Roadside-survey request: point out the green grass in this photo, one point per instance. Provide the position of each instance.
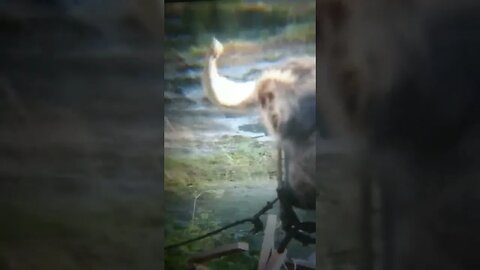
(297, 33)
(204, 223)
(247, 160)
(233, 159)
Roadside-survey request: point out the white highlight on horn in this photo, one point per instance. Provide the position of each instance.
(221, 91)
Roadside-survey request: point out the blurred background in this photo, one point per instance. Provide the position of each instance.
(220, 166)
(81, 134)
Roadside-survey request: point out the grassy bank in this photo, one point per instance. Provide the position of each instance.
(232, 161)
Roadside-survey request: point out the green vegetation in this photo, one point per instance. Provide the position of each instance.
(232, 158)
(293, 33)
(204, 223)
(264, 24)
(304, 32)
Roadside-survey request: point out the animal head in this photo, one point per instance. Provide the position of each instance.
(276, 97)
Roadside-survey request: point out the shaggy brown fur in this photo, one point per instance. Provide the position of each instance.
(280, 89)
(287, 102)
(286, 97)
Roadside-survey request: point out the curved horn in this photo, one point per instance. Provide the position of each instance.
(221, 91)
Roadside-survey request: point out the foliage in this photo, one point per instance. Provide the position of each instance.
(233, 158)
